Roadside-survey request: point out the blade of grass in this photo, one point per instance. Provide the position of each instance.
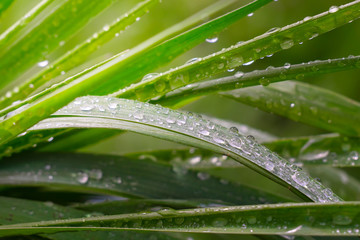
(120, 176)
(269, 43)
(77, 55)
(147, 205)
(304, 103)
(120, 66)
(46, 36)
(330, 219)
(104, 112)
(191, 92)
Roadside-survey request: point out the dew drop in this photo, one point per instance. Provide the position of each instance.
(300, 178)
(249, 63)
(238, 74)
(342, 220)
(204, 132)
(264, 81)
(287, 65)
(43, 63)
(194, 160)
(82, 177)
(203, 176)
(106, 28)
(250, 14)
(138, 19)
(354, 155)
(287, 44)
(192, 60)
(212, 40)
(333, 9)
(95, 174)
(219, 222)
(149, 76)
(234, 130)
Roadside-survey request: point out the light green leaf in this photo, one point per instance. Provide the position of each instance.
(104, 112)
(301, 71)
(5, 4)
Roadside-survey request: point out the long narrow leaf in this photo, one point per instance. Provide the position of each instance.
(331, 219)
(301, 71)
(172, 125)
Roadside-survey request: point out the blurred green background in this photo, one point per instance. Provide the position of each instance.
(336, 44)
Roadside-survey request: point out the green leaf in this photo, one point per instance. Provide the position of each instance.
(46, 36)
(326, 219)
(79, 54)
(104, 112)
(275, 40)
(271, 74)
(115, 175)
(304, 103)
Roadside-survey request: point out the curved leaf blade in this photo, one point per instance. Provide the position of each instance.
(187, 129)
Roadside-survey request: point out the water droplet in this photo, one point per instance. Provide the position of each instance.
(354, 155)
(117, 180)
(82, 177)
(149, 76)
(43, 63)
(264, 81)
(204, 132)
(106, 28)
(238, 74)
(192, 60)
(194, 160)
(218, 140)
(138, 115)
(212, 40)
(333, 9)
(86, 107)
(234, 130)
(95, 174)
(160, 86)
(269, 165)
(138, 19)
(219, 222)
(292, 105)
(203, 176)
(272, 30)
(50, 139)
(300, 178)
(342, 220)
(249, 63)
(47, 167)
(287, 44)
(250, 14)
(287, 65)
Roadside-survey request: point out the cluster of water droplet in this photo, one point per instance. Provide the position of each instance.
(194, 126)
